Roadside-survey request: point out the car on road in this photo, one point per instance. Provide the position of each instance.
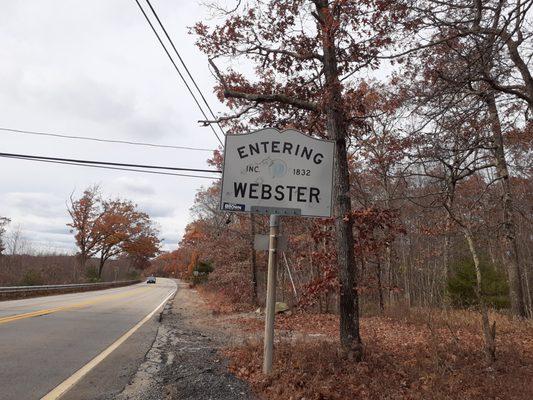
(151, 279)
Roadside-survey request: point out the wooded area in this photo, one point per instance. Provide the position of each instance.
(106, 231)
(421, 283)
(433, 204)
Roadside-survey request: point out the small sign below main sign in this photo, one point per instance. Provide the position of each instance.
(273, 172)
(262, 242)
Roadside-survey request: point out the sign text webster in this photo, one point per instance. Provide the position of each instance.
(277, 171)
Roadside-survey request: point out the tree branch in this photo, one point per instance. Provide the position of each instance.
(272, 98)
(260, 97)
(226, 118)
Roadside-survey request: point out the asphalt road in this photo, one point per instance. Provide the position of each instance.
(45, 340)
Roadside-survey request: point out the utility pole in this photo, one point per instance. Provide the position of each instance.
(271, 294)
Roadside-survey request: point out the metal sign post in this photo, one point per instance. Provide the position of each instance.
(270, 311)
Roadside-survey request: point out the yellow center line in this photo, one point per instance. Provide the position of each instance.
(50, 300)
(67, 384)
(100, 299)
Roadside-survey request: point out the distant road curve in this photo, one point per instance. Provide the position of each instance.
(48, 343)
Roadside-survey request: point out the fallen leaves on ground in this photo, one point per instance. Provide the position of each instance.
(422, 355)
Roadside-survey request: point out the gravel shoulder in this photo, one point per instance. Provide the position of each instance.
(184, 361)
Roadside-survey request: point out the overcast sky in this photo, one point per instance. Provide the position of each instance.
(93, 68)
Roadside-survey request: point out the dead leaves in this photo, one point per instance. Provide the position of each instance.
(403, 360)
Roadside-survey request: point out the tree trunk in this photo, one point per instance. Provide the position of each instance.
(388, 248)
(336, 127)
(380, 288)
(80, 266)
(101, 265)
(489, 332)
(510, 248)
(529, 305)
(523, 68)
(407, 275)
(388, 271)
(253, 258)
(82, 257)
(447, 273)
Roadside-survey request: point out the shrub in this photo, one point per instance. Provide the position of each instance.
(133, 275)
(204, 267)
(32, 278)
(201, 272)
(231, 285)
(92, 275)
(461, 287)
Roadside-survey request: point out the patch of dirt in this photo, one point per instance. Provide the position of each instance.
(184, 362)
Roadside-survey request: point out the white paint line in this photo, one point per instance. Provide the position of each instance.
(63, 387)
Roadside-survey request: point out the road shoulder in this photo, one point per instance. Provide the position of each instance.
(184, 361)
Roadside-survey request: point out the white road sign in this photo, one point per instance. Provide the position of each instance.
(275, 172)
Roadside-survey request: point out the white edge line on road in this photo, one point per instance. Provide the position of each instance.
(63, 387)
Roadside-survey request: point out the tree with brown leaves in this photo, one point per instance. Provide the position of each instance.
(85, 213)
(306, 55)
(109, 228)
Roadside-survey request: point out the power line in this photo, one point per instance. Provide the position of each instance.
(106, 163)
(177, 69)
(183, 63)
(112, 168)
(9, 130)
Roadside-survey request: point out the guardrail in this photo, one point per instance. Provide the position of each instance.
(15, 292)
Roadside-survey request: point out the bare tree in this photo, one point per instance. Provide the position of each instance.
(454, 159)
(3, 223)
(16, 242)
(473, 50)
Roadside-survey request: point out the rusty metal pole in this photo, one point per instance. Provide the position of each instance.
(271, 294)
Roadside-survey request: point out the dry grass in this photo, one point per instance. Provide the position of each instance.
(218, 303)
(52, 269)
(409, 354)
(423, 354)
